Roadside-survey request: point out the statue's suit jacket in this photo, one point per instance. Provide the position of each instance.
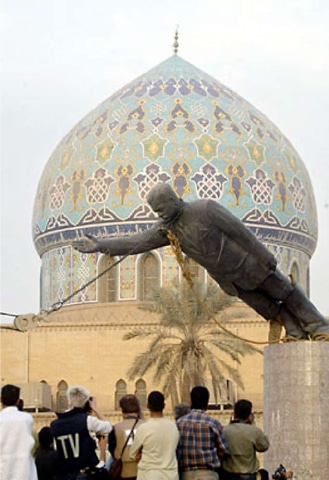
(213, 237)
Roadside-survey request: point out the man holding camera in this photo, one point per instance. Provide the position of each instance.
(72, 433)
(244, 439)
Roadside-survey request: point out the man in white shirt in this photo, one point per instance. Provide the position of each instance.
(16, 439)
(155, 443)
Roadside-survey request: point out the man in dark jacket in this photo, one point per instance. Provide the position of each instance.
(233, 256)
(72, 433)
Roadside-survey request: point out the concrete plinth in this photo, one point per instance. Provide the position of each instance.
(296, 408)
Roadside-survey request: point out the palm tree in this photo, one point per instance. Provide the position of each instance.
(185, 346)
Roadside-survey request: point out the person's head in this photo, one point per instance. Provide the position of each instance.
(156, 401)
(243, 410)
(130, 404)
(181, 409)
(77, 396)
(10, 395)
(163, 201)
(199, 398)
(45, 438)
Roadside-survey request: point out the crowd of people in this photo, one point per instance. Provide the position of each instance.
(80, 444)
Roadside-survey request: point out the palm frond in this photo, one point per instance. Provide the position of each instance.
(142, 363)
(140, 332)
(220, 366)
(240, 347)
(166, 364)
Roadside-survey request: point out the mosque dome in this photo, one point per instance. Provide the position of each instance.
(175, 124)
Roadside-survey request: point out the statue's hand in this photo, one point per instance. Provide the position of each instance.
(88, 244)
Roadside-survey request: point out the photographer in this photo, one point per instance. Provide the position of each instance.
(72, 433)
(244, 440)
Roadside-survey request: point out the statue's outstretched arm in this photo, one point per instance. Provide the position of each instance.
(87, 244)
(122, 245)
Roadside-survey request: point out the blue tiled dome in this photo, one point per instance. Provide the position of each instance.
(174, 124)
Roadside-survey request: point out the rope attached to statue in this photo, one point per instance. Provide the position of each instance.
(189, 278)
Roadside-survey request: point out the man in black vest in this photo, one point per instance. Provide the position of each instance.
(233, 256)
(72, 433)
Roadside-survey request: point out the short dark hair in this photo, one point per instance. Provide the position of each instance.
(242, 409)
(10, 395)
(130, 404)
(45, 437)
(199, 397)
(155, 401)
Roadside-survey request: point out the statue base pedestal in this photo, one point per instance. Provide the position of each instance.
(296, 408)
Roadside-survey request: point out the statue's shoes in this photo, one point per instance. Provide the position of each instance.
(320, 336)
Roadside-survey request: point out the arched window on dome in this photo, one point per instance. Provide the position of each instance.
(120, 391)
(140, 392)
(61, 399)
(294, 273)
(108, 283)
(149, 276)
(197, 272)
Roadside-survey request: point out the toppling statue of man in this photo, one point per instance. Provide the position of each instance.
(232, 255)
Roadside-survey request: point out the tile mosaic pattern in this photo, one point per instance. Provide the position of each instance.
(174, 124)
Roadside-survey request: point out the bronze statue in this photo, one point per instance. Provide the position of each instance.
(232, 255)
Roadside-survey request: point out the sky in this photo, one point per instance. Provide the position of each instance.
(61, 58)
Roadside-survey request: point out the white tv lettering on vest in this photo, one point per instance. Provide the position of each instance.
(73, 442)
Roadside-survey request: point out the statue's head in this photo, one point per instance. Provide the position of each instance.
(164, 201)
(160, 192)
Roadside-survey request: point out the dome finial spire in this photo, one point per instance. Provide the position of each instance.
(176, 44)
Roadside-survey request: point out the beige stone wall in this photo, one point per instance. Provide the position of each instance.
(14, 356)
(83, 345)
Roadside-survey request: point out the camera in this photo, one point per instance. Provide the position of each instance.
(87, 408)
